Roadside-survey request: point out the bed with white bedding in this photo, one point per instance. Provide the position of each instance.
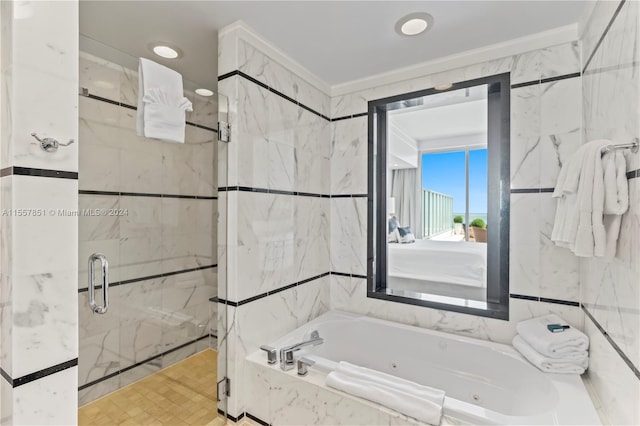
(449, 262)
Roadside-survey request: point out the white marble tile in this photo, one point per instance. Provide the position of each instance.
(253, 131)
(559, 60)
(295, 401)
(257, 387)
(99, 356)
(524, 223)
(349, 156)
(28, 232)
(526, 67)
(616, 385)
(263, 68)
(349, 235)
(525, 162)
(524, 269)
(349, 104)
(526, 111)
(312, 153)
(311, 216)
(265, 242)
(100, 76)
(598, 21)
(561, 106)
(559, 276)
(555, 150)
(101, 226)
(50, 400)
(43, 64)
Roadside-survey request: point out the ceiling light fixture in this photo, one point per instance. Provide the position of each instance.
(166, 50)
(204, 92)
(414, 24)
(444, 86)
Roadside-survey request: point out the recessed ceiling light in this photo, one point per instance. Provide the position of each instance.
(414, 24)
(166, 50)
(204, 92)
(444, 86)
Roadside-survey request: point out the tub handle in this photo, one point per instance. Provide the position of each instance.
(272, 354)
(303, 366)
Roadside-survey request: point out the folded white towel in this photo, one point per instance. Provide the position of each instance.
(161, 103)
(384, 379)
(553, 345)
(551, 365)
(425, 410)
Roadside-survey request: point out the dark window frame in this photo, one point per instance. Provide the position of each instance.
(498, 192)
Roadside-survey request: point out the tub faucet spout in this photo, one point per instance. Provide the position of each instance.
(286, 354)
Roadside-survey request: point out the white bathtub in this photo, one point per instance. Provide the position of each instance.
(485, 382)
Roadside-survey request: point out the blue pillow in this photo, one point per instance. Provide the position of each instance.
(392, 234)
(405, 235)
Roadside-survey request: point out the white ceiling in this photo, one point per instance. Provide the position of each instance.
(339, 41)
(446, 115)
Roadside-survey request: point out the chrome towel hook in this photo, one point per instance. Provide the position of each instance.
(50, 144)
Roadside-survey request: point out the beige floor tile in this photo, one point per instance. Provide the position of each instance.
(183, 394)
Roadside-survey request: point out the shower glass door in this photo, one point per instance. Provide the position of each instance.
(151, 208)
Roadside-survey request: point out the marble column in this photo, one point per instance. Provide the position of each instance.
(39, 223)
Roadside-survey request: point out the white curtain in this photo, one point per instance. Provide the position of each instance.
(404, 188)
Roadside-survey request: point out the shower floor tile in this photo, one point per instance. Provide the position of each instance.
(183, 394)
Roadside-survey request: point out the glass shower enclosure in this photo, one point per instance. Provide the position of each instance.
(148, 213)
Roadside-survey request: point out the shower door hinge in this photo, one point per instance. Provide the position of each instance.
(224, 132)
(224, 389)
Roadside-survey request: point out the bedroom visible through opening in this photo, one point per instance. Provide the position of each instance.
(439, 179)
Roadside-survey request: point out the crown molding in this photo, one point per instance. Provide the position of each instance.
(515, 46)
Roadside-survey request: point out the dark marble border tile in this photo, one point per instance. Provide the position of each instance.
(151, 277)
(38, 374)
(268, 293)
(145, 194)
(604, 34)
(29, 171)
(613, 344)
(138, 364)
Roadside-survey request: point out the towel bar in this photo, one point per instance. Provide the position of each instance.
(633, 146)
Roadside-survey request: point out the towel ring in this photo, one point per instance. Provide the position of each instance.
(50, 144)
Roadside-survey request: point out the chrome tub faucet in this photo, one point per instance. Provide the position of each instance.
(287, 361)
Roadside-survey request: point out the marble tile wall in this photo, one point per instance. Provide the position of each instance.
(611, 289)
(161, 248)
(38, 261)
(273, 229)
(545, 129)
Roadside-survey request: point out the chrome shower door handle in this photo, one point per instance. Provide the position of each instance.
(105, 283)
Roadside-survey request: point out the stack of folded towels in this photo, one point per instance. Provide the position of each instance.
(559, 352)
(420, 402)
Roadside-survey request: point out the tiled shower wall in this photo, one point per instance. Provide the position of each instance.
(159, 234)
(611, 289)
(546, 102)
(277, 216)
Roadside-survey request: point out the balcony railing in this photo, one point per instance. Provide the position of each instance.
(438, 213)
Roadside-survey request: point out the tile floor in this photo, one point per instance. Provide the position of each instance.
(183, 394)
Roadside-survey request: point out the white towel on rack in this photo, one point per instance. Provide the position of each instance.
(161, 102)
(579, 223)
(427, 410)
(553, 345)
(577, 365)
(616, 198)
